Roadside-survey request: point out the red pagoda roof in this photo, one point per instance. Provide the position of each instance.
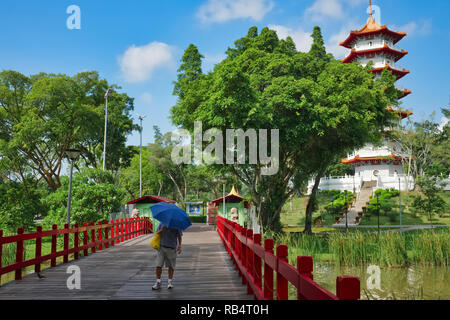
(353, 54)
(233, 196)
(358, 159)
(152, 199)
(399, 73)
(371, 28)
(403, 114)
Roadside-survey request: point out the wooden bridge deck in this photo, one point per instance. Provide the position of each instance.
(127, 271)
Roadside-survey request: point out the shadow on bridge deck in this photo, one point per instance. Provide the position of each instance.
(127, 271)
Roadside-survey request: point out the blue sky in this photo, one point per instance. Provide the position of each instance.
(138, 44)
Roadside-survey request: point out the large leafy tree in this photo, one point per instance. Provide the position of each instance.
(95, 196)
(323, 109)
(44, 114)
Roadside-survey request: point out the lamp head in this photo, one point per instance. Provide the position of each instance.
(72, 154)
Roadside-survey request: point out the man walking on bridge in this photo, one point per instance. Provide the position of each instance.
(170, 245)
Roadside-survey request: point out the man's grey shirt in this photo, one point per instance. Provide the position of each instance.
(169, 237)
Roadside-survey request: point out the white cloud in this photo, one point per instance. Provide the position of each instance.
(444, 123)
(322, 10)
(138, 63)
(420, 28)
(302, 39)
(219, 11)
(146, 98)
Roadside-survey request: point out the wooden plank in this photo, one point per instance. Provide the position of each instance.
(127, 271)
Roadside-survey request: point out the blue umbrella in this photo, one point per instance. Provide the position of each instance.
(170, 215)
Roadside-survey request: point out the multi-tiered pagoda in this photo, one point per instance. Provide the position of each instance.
(375, 43)
(375, 166)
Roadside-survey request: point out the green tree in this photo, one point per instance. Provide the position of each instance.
(94, 196)
(44, 114)
(20, 204)
(323, 109)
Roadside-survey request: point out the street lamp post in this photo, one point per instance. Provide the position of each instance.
(72, 154)
(378, 210)
(400, 201)
(346, 210)
(107, 94)
(140, 160)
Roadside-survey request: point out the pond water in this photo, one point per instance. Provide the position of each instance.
(412, 283)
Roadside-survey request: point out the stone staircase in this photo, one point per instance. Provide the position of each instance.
(363, 197)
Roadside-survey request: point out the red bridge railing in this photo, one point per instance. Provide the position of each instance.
(248, 255)
(102, 235)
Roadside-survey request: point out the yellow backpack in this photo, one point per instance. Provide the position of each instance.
(155, 243)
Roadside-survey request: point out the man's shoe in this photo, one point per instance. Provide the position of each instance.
(170, 285)
(157, 285)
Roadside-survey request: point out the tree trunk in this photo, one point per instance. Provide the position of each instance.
(310, 206)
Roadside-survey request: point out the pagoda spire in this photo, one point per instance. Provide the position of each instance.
(370, 8)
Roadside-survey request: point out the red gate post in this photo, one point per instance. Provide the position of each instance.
(268, 272)
(38, 250)
(126, 229)
(348, 288)
(19, 254)
(93, 237)
(76, 241)
(305, 269)
(249, 260)
(85, 240)
(66, 243)
(100, 238)
(106, 235)
(112, 233)
(257, 262)
(282, 283)
(244, 253)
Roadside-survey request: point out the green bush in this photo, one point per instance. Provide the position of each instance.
(201, 219)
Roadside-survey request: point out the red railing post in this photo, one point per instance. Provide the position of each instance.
(257, 263)
(348, 288)
(127, 227)
(66, 244)
(238, 247)
(38, 250)
(93, 237)
(249, 260)
(19, 254)
(100, 237)
(54, 244)
(85, 240)
(233, 241)
(76, 240)
(106, 235)
(112, 233)
(117, 231)
(121, 230)
(1, 253)
(244, 254)
(305, 269)
(282, 283)
(268, 272)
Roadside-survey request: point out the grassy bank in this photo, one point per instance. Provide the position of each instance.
(391, 249)
(296, 215)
